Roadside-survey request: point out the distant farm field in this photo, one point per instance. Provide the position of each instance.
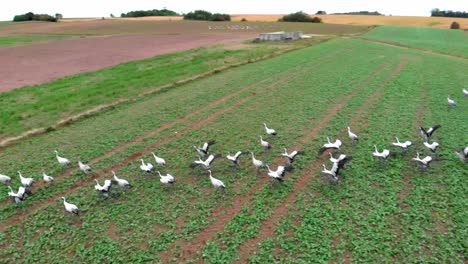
(442, 40)
(378, 212)
(403, 21)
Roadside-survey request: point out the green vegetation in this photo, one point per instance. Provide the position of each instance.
(448, 13)
(51, 102)
(154, 12)
(205, 15)
(30, 16)
(20, 40)
(390, 213)
(455, 25)
(300, 17)
(365, 13)
(442, 40)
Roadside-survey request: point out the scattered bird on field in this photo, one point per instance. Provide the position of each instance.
(291, 156)
(432, 147)
(71, 208)
(103, 189)
(85, 168)
(14, 196)
(465, 92)
(277, 174)
(269, 131)
(121, 182)
(217, 183)
(236, 158)
(381, 155)
(203, 151)
(451, 103)
(47, 178)
(331, 174)
(206, 164)
(332, 159)
(329, 145)
(462, 154)
(330, 171)
(166, 179)
(403, 145)
(5, 179)
(352, 136)
(424, 162)
(25, 181)
(61, 160)
(148, 167)
(427, 134)
(158, 160)
(20, 195)
(264, 143)
(341, 160)
(258, 164)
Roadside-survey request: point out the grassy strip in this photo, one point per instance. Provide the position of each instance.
(37, 109)
(22, 40)
(443, 40)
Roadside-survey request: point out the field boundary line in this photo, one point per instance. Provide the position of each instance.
(403, 46)
(10, 141)
(184, 118)
(223, 216)
(35, 207)
(267, 226)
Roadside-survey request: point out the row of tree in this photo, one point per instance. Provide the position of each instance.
(300, 17)
(30, 16)
(365, 13)
(154, 12)
(444, 13)
(205, 15)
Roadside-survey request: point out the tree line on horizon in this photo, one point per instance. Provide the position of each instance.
(30, 16)
(154, 12)
(448, 13)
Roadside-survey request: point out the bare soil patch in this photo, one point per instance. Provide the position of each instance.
(39, 63)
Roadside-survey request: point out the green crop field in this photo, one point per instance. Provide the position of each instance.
(378, 211)
(442, 40)
(51, 102)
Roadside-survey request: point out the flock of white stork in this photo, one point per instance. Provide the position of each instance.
(206, 159)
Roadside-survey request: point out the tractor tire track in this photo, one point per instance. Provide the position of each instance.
(223, 216)
(267, 227)
(407, 175)
(182, 119)
(17, 218)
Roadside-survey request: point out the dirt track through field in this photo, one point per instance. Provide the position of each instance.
(267, 227)
(223, 216)
(407, 175)
(23, 215)
(177, 121)
(39, 63)
(397, 45)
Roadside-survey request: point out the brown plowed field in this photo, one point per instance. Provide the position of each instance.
(39, 63)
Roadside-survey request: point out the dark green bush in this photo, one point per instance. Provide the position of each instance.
(300, 17)
(207, 16)
(455, 25)
(154, 12)
(31, 16)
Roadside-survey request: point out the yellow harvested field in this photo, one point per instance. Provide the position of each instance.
(405, 21)
(148, 18)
